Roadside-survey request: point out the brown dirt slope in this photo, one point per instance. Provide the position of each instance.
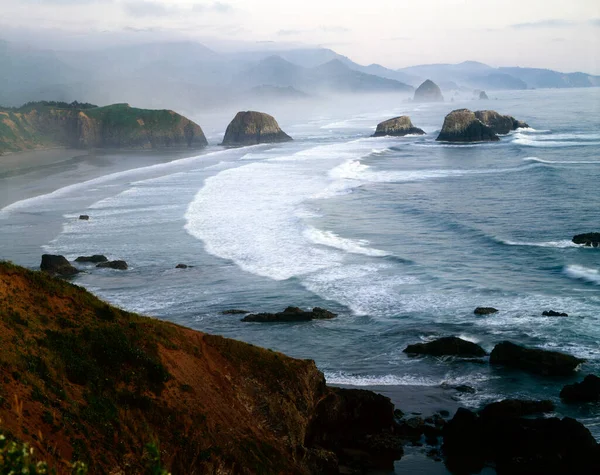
(82, 380)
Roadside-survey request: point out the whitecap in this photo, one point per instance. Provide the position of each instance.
(331, 239)
(583, 273)
(346, 379)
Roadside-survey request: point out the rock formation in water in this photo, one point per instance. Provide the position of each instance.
(586, 391)
(483, 96)
(291, 314)
(500, 124)
(95, 259)
(485, 310)
(398, 126)
(587, 239)
(534, 360)
(57, 265)
(462, 125)
(117, 265)
(449, 345)
(428, 92)
(251, 128)
(118, 126)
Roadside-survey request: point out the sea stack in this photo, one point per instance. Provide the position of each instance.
(398, 126)
(462, 125)
(251, 128)
(428, 92)
(500, 124)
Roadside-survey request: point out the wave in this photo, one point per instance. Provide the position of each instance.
(562, 162)
(345, 379)
(555, 140)
(562, 244)
(329, 238)
(583, 273)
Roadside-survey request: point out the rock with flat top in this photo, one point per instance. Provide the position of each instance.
(534, 360)
(118, 265)
(463, 126)
(95, 259)
(398, 127)
(291, 314)
(449, 345)
(587, 239)
(251, 128)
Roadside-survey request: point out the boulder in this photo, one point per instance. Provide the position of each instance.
(291, 314)
(57, 265)
(483, 96)
(485, 310)
(251, 128)
(119, 265)
(586, 391)
(461, 125)
(85, 217)
(449, 345)
(95, 259)
(234, 311)
(588, 239)
(428, 92)
(182, 266)
(552, 313)
(398, 126)
(516, 408)
(516, 445)
(500, 124)
(534, 360)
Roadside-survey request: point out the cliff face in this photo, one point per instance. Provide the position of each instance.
(251, 128)
(116, 126)
(81, 380)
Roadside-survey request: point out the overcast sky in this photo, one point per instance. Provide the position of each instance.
(557, 34)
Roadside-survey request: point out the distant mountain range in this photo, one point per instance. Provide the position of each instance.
(188, 74)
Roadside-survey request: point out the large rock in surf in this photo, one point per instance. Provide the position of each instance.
(534, 360)
(95, 259)
(516, 445)
(449, 345)
(500, 124)
(118, 265)
(251, 128)
(587, 239)
(485, 310)
(428, 92)
(57, 265)
(291, 314)
(462, 125)
(586, 391)
(398, 126)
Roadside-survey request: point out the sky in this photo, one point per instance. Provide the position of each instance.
(552, 34)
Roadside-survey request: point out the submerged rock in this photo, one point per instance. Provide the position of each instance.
(182, 266)
(588, 239)
(398, 126)
(449, 345)
(485, 310)
(500, 124)
(552, 313)
(291, 314)
(498, 435)
(234, 311)
(428, 91)
(251, 128)
(57, 265)
(586, 391)
(462, 125)
(95, 259)
(118, 265)
(534, 360)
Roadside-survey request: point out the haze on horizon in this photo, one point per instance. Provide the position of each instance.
(545, 34)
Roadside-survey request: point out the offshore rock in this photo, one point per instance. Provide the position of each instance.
(586, 391)
(588, 239)
(84, 217)
(500, 124)
(118, 265)
(57, 265)
(485, 310)
(398, 126)
(462, 125)
(428, 92)
(95, 259)
(483, 96)
(534, 360)
(251, 128)
(291, 314)
(450, 345)
(552, 313)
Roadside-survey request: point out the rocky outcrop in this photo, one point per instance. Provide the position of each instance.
(534, 360)
(462, 125)
(57, 265)
(552, 313)
(499, 436)
(500, 124)
(428, 91)
(291, 314)
(586, 391)
(118, 265)
(251, 128)
(483, 96)
(183, 266)
(398, 126)
(95, 259)
(450, 345)
(234, 311)
(587, 239)
(84, 217)
(485, 310)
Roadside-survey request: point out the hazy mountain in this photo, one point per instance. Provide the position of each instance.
(548, 78)
(271, 71)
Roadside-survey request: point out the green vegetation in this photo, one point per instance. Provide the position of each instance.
(40, 105)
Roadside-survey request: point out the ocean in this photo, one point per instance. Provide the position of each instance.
(402, 237)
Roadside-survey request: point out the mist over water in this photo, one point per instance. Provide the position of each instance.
(403, 237)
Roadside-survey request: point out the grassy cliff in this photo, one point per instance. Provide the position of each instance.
(83, 381)
(55, 124)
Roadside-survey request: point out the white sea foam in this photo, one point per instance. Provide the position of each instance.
(562, 244)
(345, 379)
(329, 238)
(561, 162)
(556, 140)
(583, 273)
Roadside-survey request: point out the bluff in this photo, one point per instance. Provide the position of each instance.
(82, 380)
(251, 128)
(85, 126)
(428, 92)
(398, 126)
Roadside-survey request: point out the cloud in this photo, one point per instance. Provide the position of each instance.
(218, 7)
(320, 29)
(552, 23)
(152, 8)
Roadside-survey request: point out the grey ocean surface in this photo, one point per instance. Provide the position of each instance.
(403, 237)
